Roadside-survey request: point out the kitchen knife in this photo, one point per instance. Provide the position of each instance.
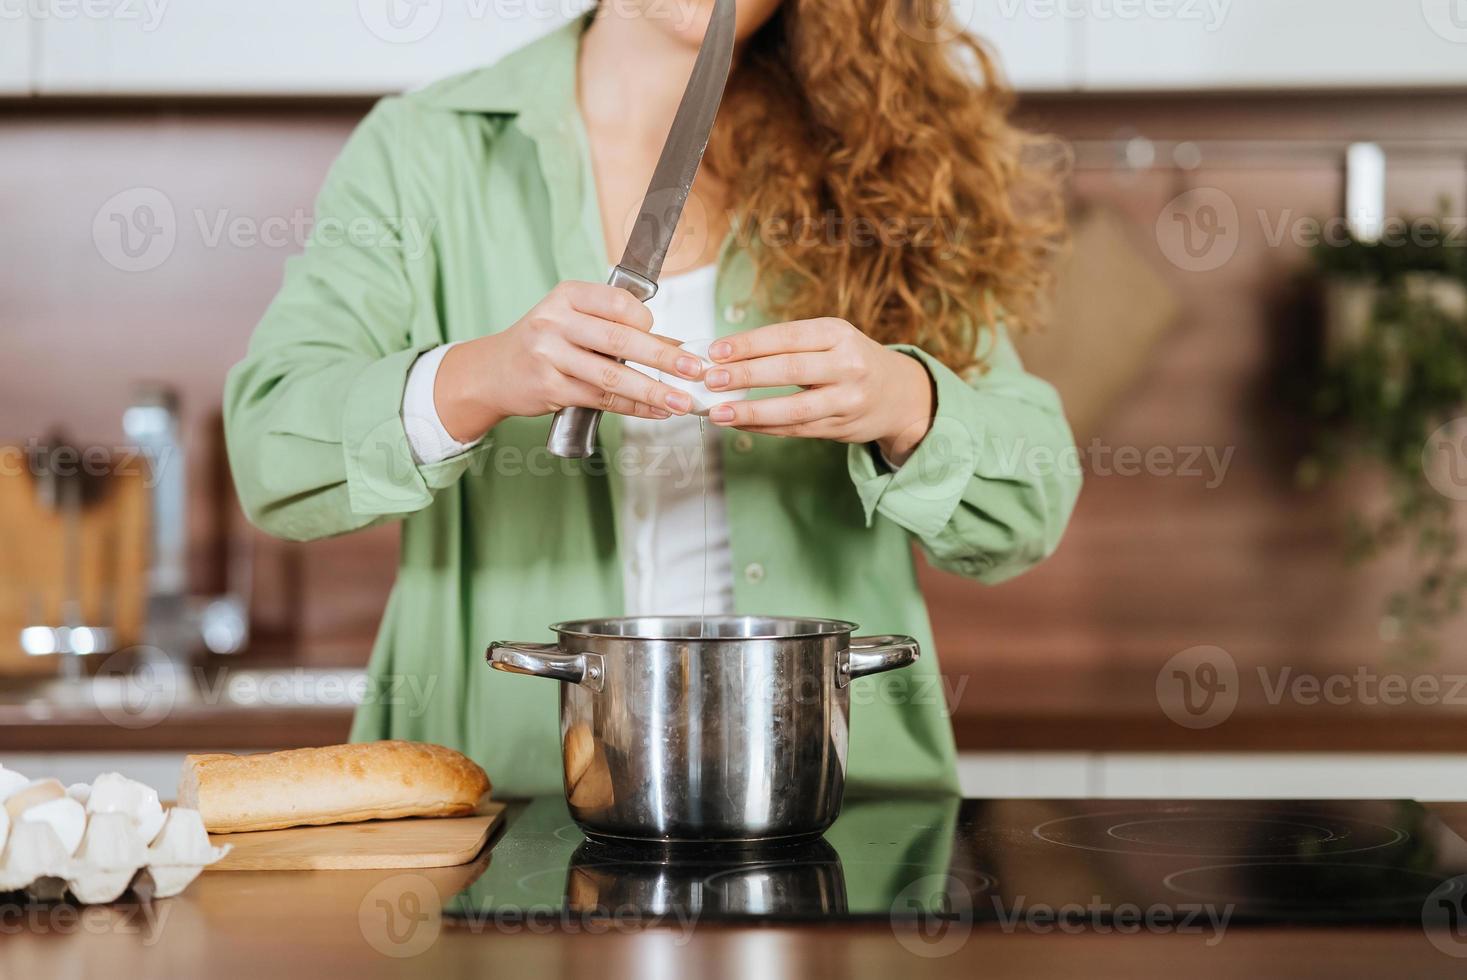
(573, 430)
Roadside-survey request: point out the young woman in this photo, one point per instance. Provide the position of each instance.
(862, 235)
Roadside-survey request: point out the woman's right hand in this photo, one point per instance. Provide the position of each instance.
(563, 353)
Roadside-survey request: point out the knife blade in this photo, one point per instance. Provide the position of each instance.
(573, 430)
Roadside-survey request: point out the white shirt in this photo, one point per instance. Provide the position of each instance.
(663, 502)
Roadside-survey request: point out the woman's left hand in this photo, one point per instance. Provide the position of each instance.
(856, 390)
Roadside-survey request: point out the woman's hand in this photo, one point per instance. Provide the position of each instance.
(856, 389)
(562, 353)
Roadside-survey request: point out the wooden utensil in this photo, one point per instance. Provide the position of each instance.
(418, 842)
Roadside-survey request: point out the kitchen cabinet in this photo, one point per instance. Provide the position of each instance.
(1243, 44)
(279, 47)
(16, 37)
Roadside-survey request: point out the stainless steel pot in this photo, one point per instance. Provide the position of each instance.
(732, 728)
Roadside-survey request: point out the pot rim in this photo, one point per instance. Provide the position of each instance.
(808, 628)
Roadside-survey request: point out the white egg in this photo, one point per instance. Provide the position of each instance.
(4, 828)
(79, 792)
(33, 793)
(66, 816)
(10, 781)
(114, 793)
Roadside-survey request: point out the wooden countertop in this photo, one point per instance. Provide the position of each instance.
(1009, 710)
(311, 924)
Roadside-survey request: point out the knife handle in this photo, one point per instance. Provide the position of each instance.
(573, 430)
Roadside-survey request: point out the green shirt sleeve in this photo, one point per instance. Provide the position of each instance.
(313, 414)
(990, 489)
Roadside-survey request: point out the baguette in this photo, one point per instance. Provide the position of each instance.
(335, 784)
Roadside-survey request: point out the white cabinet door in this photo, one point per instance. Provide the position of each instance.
(1225, 44)
(286, 47)
(1036, 45)
(15, 50)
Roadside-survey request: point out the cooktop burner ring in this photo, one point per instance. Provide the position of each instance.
(1423, 885)
(1309, 830)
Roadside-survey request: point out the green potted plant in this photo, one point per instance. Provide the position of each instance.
(1389, 393)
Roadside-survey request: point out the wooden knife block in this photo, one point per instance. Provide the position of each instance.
(112, 569)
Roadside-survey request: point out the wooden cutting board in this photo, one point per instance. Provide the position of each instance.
(422, 842)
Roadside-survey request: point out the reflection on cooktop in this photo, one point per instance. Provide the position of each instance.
(1002, 862)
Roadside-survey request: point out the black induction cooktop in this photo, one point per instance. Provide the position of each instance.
(1049, 865)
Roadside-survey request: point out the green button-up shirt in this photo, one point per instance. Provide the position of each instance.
(450, 213)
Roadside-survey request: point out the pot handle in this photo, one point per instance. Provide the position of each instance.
(875, 655)
(546, 660)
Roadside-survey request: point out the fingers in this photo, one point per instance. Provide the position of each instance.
(779, 338)
(608, 303)
(777, 370)
(585, 395)
(628, 343)
(608, 376)
(803, 409)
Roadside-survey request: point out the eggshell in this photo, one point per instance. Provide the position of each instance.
(33, 793)
(66, 816)
(10, 781)
(114, 793)
(4, 828)
(703, 399)
(79, 792)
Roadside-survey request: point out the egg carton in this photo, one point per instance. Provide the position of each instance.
(94, 841)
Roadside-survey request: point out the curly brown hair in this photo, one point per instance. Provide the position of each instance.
(877, 175)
